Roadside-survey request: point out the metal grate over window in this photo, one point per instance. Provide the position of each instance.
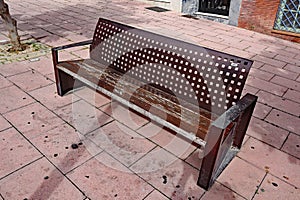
(288, 16)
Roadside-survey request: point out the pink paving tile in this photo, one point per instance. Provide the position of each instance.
(218, 192)
(122, 143)
(271, 160)
(50, 77)
(84, 53)
(54, 41)
(276, 189)
(48, 96)
(168, 140)
(104, 178)
(39, 180)
(292, 145)
(3, 124)
(266, 86)
(280, 72)
(12, 98)
(249, 89)
(279, 102)
(65, 55)
(16, 151)
(269, 61)
(14, 68)
(241, 177)
(284, 120)
(56, 145)
(286, 82)
(195, 158)
(267, 133)
(292, 95)
(156, 195)
(124, 115)
(84, 117)
(170, 175)
(261, 74)
(261, 110)
(292, 68)
(29, 81)
(4, 82)
(92, 97)
(42, 64)
(293, 61)
(33, 119)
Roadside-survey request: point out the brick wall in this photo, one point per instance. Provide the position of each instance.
(259, 15)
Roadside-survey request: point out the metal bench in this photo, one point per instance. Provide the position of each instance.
(192, 90)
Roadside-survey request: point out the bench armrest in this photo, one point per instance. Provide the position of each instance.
(77, 44)
(247, 102)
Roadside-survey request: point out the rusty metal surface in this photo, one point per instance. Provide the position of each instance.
(201, 76)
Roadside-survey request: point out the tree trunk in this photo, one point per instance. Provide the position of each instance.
(11, 26)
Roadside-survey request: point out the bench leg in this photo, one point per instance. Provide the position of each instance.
(243, 122)
(211, 151)
(65, 82)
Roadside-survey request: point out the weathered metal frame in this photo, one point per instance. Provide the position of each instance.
(224, 137)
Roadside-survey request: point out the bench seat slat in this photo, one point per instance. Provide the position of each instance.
(158, 102)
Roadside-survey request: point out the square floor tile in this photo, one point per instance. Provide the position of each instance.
(272, 160)
(122, 143)
(43, 65)
(156, 195)
(34, 119)
(12, 98)
(4, 82)
(104, 178)
(168, 174)
(124, 115)
(29, 81)
(39, 180)
(169, 140)
(16, 151)
(92, 97)
(267, 132)
(48, 96)
(242, 177)
(3, 124)
(14, 68)
(276, 189)
(218, 192)
(65, 147)
(292, 145)
(83, 116)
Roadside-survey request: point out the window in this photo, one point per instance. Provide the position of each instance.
(220, 7)
(288, 16)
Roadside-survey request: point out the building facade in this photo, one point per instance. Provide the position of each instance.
(280, 18)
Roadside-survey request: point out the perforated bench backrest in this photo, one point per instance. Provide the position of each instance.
(208, 78)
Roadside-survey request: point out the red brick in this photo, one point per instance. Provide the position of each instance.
(257, 64)
(269, 61)
(267, 132)
(293, 95)
(261, 74)
(279, 102)
(280, 72)
(286, 82)
(284, 120)
(266, 86)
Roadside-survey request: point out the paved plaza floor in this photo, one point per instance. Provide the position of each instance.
(84, 146)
